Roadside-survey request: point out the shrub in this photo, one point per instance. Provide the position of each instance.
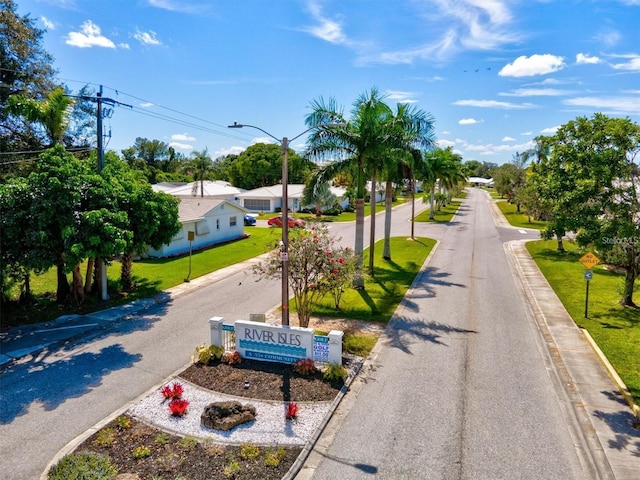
(188, 442)
(162, 438)
(206, 354)
(141, 452)
(291, 411)
(335, 371)
(171, 392)
(123, 422)
(232, 358)
(178, 407)
(231, 469)
(274, 456)
(85, 465)
(105, 437)
(305, 367)
(249, 452)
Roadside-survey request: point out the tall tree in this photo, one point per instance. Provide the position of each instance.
(199, 167)
(591, 178)
(439, 165)
(356, 142)
(410, 128)
(25, 69)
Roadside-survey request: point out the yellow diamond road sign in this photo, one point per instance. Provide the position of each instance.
(589, 260)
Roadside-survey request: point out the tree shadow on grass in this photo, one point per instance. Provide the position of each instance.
(405, 331)
(53, 383)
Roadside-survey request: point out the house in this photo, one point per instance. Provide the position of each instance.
(480, 182)
(206, 189)
(269, 199)
(211, 221)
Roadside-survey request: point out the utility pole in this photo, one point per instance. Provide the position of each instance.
(99, 99)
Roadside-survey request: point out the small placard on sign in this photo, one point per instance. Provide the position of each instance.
(588, 275)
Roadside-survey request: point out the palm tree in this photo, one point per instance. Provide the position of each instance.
(356, 141)
(540, 150)
(52, 113)
(443, 165)
(200, 166)
(410, 128)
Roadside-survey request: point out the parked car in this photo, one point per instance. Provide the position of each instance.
(249, 220)
(293, 222)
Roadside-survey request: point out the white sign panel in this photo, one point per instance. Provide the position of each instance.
(273, 343)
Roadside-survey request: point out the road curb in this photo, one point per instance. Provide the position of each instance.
(613, 374)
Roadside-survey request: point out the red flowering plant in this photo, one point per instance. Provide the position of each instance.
(311, 271)
(305, 367)
(170, 392)
(291, 411)
(178, 407)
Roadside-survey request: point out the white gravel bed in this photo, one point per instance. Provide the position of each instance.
(270, 426)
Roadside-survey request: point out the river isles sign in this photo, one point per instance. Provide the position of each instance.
(278, 343)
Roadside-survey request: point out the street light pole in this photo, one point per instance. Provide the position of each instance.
(284, 249)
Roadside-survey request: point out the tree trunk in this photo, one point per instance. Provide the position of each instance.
(358, 279)
(88, 277)
(126, 261)
(432, 213)
(63, 291)
(372, 215)
(78, 288)
(413, 208)
(560, 245)
(629, 283)
(388, 203)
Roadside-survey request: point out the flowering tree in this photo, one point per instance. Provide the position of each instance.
(317, 266)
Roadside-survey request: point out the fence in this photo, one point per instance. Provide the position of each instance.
(274, 342)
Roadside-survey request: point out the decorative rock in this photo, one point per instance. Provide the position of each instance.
(226, 415)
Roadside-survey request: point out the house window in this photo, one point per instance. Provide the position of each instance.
(202, 228)
(217, 224)
(232, 221)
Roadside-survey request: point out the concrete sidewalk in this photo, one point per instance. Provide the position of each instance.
(596, 392)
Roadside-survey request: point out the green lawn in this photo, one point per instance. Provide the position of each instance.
(385, 290)
(444, 215)
(516, 219)
(615, 329)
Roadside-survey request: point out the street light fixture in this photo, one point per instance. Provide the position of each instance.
(284, 251)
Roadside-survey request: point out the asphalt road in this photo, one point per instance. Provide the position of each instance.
(47, 401)
(462, 387)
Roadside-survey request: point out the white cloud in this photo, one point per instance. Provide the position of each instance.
(584, 58)
(326, 29)
(524, 66)
(633, 64)
(535, 92)
(624, 105)
(48, 24)
(89, 36)
(550, 130)
(492, 104)
(608, 38)
(147, 38)
(442, 143)
(262, 140)
(180, 146)
(182, 137)
(508, 139)
(181, 6)
(146, 104)
(400, 97)
(229, 151)
(526, 134)
(467, 121)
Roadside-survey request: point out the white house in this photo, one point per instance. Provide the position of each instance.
(212, 221)
(480, 182)
(269, 199)
(206, 189)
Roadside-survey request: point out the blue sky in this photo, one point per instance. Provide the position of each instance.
(493, 73)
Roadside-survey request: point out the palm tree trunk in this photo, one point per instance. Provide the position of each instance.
(126, 261)
(432, 213)
(358, 279)
(388, 203)
(372, 215)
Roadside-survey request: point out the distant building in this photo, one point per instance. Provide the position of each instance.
(480, 182)
(269, 199)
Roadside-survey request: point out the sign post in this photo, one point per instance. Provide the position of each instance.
(191, 235)
(589, 260)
